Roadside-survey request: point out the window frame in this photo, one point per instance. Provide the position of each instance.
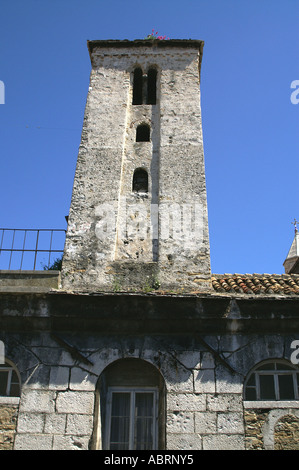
(133, 391)
(10, 368)
(257, 372)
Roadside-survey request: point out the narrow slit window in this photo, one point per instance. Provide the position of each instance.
(151, 86)
(137, 86)
(9, 381)
(144, 86)
(143, 133)
(140, 181)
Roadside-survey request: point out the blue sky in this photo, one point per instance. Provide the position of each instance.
(250, 126)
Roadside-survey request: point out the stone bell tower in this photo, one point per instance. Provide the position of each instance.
(138, 215)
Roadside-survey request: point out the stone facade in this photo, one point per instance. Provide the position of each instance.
(138, 311)
(203, 372)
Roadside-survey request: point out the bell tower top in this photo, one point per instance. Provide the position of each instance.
(144, 43)
(138, 216)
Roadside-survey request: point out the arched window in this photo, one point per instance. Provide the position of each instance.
(151, 86)
(272, 380)
(131, 400)
(137, 86)
(143, 133)
(140, 181)
(9, 380)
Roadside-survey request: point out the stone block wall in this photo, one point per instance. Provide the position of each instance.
(204, 395)
(53, 419)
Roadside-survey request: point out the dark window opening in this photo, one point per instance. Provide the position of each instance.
(140, 181)
(130, 407)
(151, 86)
(144, 87)
(9, 381)
(137, 86)
(143, 133)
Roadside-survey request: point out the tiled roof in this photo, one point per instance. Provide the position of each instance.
(256, 284)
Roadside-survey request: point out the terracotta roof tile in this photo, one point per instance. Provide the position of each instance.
(256, 284)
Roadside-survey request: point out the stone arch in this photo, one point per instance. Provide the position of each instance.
(279, 424)
(128, 373)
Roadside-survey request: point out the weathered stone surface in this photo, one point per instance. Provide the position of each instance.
(186, 401)
(230, 423)
(184, 441)
(180, 422)
(223, 442)
(59, 378)
(82, 380)
(118, 239)
(225, 402)
(41, 400)
(70, 442)
(272, 429)
(31, 423)
(286, 434)
(206, 423)
(69, 401)
(136, 289)
(8, 422)
(205, 381)
(33, 442)
(79, 424)
(55, 423)
(193, 408)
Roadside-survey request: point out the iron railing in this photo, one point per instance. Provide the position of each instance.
(30, 249)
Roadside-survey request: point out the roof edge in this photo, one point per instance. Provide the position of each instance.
(121, 43)
(148, 43)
